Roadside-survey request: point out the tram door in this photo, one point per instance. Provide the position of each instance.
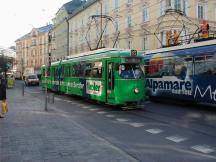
(110, 81)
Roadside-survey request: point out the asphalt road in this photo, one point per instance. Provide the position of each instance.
(156, 132)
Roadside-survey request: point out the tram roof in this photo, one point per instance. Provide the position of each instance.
(181, 47)
(93, 53)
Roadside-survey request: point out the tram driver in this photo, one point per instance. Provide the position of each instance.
(128, 71)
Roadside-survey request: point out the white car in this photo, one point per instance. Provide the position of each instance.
(32, 80)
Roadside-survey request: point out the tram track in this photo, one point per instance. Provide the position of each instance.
(149, 115)
(162, 118)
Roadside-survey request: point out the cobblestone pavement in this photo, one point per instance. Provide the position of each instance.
(29, 134)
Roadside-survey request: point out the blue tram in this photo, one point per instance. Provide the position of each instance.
(185, 72)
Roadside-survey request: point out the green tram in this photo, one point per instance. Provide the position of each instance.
(111, 76)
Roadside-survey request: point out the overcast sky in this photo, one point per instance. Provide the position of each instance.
(18, 17)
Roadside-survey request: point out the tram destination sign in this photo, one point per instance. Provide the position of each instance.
(133, 60)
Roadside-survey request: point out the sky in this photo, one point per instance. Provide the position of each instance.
(18, 17)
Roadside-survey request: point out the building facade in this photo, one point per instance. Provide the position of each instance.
(60, 32)
(32, 49)
(143, 24)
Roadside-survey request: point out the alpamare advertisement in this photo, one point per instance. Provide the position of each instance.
(172, 77)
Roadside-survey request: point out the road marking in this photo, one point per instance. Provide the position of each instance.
(57, 99)
(176, 139)
(122, 120)
(86, 107)
(93, 109)
(101, 112)
(203, 148)
(69, 101)
(110, 116)
(137, 125)
(154, 131)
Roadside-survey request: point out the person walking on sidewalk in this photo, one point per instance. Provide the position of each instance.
(2, 93)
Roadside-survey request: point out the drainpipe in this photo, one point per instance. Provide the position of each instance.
(68, 35)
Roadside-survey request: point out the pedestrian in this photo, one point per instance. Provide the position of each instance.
(2, 93)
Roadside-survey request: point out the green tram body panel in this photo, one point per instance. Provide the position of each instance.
(63, 76)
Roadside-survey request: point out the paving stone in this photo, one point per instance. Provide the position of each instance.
(29, 134)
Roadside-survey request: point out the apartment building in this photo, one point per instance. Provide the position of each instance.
(143, 24)
(32, 49)
(60, 32)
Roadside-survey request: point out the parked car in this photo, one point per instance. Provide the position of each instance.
(31, 80)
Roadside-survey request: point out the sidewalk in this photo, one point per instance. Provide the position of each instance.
(29, 134)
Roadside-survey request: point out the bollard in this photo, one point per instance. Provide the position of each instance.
(23, 86)
(53, 98)
(45, 98)
(48, 95)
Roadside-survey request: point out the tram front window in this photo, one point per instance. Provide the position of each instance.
(130, 71)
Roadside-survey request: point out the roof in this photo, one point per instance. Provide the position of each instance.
(24, 37)
(43, 29)
(84, 6)
(72, 5)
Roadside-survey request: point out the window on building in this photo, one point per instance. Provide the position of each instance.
(129, 1)
(184, 6)
(215, 13)
(144, 43)
(168, 4)
(106, 7)
(174, 4)
(177, 4)
(129, 21)
(129, 44)
(145, 14)
(162, 7)
(116, 4)
(201, 11)
(116, 25)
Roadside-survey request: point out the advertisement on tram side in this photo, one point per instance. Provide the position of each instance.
(182, 77)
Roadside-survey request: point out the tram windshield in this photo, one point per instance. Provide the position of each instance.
(130, 71)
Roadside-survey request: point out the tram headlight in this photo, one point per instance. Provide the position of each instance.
(136, 90)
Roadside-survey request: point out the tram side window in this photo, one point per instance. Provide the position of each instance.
(93, 70)
(88, 70)
(156, 68)
(77, 70)
(73, 70)
(205, 65)
(56, 72)
(62, 72)
(183, 67)
(67, 71)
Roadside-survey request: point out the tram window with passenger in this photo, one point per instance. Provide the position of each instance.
(130, 71)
